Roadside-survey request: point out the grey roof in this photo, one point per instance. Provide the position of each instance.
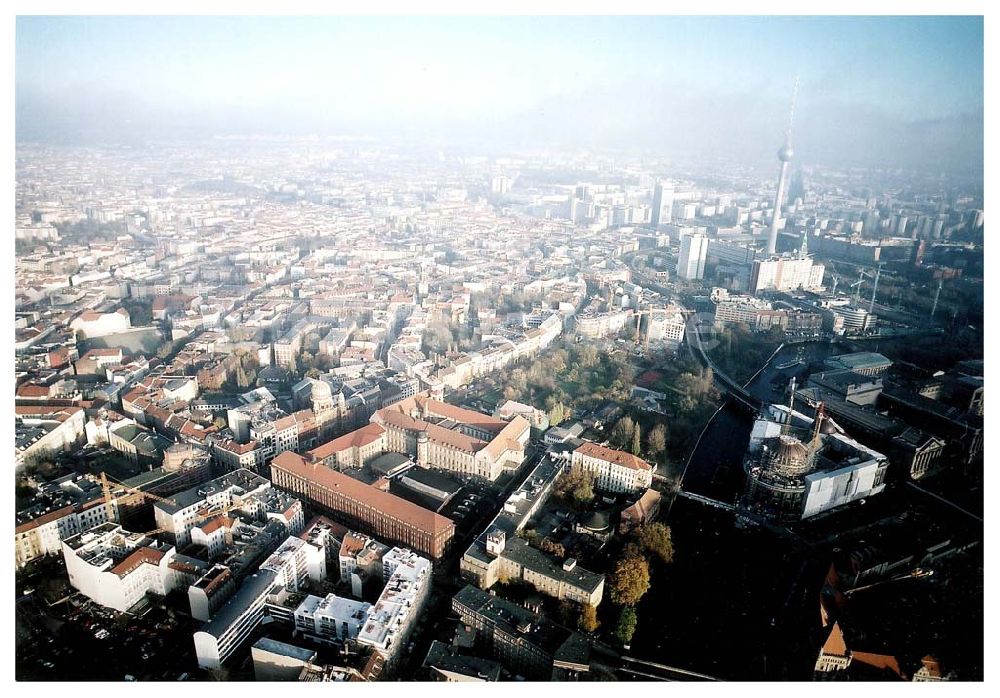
(433, 479)
(443, 657)
(538, 561)
(389, 461)
(252, 589)
(860, 359)
(246, 479)
(506, 615)
(285, 649)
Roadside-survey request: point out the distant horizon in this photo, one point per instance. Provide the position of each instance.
(882, 92)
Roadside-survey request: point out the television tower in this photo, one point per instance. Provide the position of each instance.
(785, 156)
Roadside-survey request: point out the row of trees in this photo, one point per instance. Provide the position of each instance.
(627, 435)
(630, 579)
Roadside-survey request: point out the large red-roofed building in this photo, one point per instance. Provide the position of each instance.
(372, 510)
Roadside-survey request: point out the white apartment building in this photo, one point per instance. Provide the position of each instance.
(739, 309)
(186, 509)
(44, 534)
(331, 618)
(94, 324)
(116, 568)
(785, 274)
(614, 471)
(389, 621)
(235, 621)
(603, 324)
(296, 561)
(666, 325)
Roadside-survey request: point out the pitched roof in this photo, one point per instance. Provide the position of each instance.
(355, 439)
(386, 503)
(612, 456)
(835, 645)
(438, 434)
(138, 557)
(878, 661)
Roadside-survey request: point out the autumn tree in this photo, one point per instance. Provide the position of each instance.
(621, 433)
(550, 546)
(241, 374)
(656, 440)
(588, 622)
(576, 486)
(655, 538)
(587, 356)
(625, 628)
(557, 414)
(630, 580)
(636, 447)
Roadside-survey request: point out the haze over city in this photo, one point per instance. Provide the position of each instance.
(871, 88)
(499, 349)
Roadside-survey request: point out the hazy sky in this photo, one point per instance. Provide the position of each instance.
(899, 90)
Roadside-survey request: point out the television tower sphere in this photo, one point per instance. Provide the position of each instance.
(785, 153)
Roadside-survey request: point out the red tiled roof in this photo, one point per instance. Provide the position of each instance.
(32, 390)
(388, 504)
(138, 557)
(216, 523)
(879, 661)
(612, 456)
(356, 439)
(102, 352)
(835, 645)
(454, 439)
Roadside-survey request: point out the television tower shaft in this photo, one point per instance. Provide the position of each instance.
(785, 155)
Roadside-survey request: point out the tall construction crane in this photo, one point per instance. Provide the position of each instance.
(109, 500)
(836, 280)
(225, 509)
(937, 295)
(878, 273)
(857, 285)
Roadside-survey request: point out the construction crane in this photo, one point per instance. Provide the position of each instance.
(836, 280)
(878, 273)
(201, 517)
(918, 573)
(109, 498)
(857, 286)
(937, 294)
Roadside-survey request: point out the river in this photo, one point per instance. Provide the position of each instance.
(715, 467)
(735, 604)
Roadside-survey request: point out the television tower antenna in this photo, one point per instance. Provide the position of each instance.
(791, 111)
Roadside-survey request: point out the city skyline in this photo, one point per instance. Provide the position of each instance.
(518, 349)
(871, 87)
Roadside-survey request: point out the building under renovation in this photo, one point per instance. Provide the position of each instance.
(798, 467)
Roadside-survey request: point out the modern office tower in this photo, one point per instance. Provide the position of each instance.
(785, 156)
(691, 259)
(663, 205)
(500, 185)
